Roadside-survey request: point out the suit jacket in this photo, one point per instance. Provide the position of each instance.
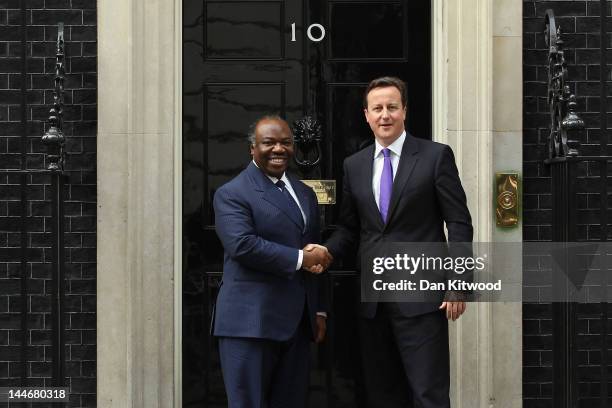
(426, 193)
(261, 294)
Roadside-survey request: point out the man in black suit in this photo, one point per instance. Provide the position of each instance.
(402, 189)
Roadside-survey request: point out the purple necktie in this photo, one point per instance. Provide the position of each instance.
(386, 184)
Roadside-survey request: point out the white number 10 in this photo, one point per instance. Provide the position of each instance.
(309, 32)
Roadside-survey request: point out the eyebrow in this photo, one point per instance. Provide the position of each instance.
(270, 139)
(382, 104)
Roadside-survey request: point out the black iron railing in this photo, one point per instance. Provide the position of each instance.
(580, 213)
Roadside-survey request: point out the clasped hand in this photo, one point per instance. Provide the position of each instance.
(316, 258)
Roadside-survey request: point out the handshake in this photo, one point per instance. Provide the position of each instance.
(316, 258)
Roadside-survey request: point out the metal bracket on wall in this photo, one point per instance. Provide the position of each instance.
(54, 136)
(507, 199)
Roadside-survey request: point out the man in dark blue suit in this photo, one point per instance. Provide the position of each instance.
(269, 306)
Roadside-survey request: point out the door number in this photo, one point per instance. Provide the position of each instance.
(319, 31)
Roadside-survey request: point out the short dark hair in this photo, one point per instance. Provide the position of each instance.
(383, 82)
(253, 126)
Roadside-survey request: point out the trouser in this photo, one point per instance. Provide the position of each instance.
(405, 360)
(261, 373)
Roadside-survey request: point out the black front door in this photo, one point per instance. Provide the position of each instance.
(240, 62)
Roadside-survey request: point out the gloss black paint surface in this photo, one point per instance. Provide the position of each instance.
(239, 63)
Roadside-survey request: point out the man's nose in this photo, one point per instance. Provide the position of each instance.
(278, 147)
(385, 113)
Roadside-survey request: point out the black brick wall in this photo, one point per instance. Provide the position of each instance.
(580, 24)
(42, 16)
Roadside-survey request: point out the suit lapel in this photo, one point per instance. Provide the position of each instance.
(408, 160)
(271, 193)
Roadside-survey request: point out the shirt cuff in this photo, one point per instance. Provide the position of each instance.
(324, 314)
(300, 259)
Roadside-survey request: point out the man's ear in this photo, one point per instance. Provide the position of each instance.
(365, 113)
(251, 149)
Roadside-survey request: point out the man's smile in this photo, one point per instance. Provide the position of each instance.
(278, 160)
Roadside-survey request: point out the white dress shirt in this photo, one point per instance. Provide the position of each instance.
(379, 159)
